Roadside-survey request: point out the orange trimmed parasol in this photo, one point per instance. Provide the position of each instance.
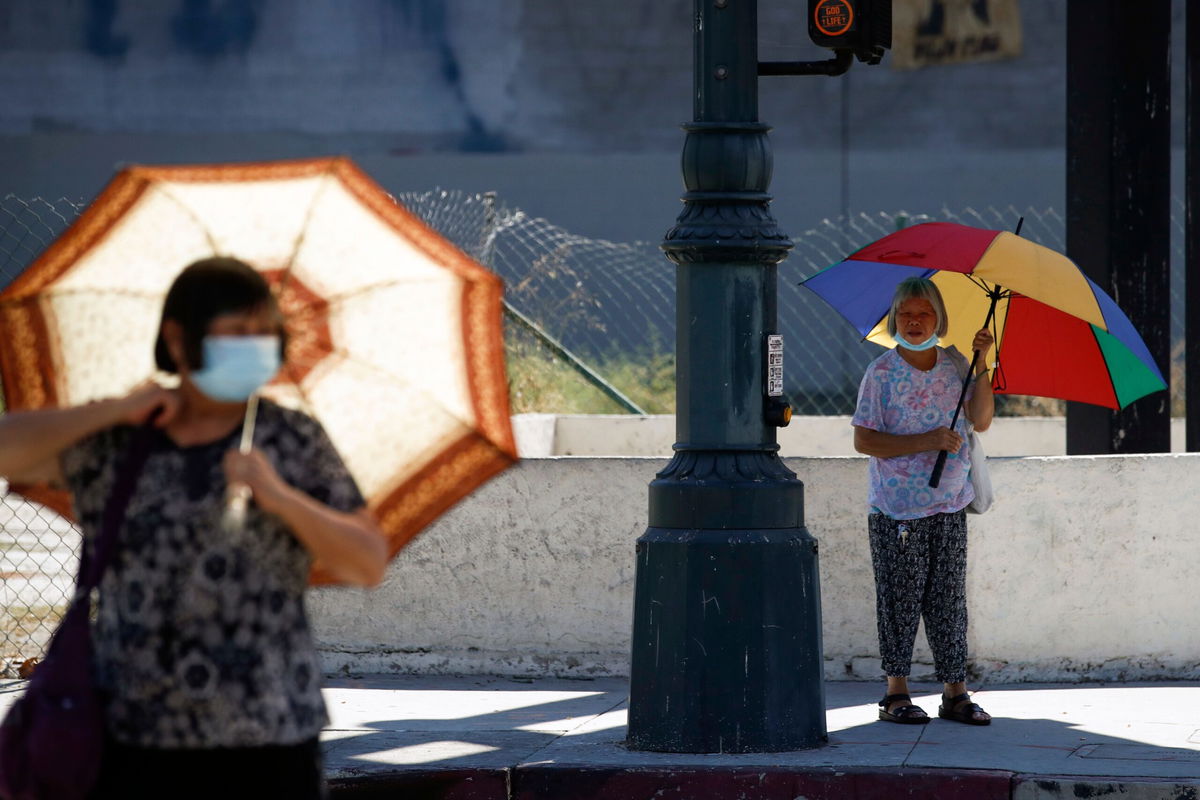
(395, 335)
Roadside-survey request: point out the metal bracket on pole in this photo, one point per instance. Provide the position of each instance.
(838, 65)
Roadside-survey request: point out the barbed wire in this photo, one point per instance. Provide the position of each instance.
(608, 304)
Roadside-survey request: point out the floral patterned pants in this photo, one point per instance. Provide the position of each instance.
(920, 569)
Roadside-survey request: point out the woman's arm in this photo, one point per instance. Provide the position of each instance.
(30, 441)
(889, 445)
(349, 545)
(982, 406)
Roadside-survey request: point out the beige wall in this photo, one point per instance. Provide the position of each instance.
(540, 435)
(1082, 570)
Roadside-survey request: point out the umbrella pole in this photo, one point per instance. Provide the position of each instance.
(935, 477)
(238, 499)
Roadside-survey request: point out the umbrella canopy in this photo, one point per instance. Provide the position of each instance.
(395, 336)
(1057, 333)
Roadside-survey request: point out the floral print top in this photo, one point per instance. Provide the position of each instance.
(896, 397)
(201, 637)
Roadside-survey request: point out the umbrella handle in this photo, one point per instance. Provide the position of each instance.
(935, 477)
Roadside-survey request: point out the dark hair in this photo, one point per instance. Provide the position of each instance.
(205, 290)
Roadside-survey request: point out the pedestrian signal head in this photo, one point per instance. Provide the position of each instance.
(862, 27)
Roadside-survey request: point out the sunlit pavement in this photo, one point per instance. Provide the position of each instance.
(490, 738)
(464, 737)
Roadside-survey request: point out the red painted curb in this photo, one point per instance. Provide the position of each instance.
(1070, 787)
(545, 782)
(433, 784)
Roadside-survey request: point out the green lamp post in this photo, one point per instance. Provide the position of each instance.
(727, 622)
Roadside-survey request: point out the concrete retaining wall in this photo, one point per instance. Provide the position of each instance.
(1083, 570)
(541, 435)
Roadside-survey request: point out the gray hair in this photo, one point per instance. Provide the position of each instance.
(918, 289)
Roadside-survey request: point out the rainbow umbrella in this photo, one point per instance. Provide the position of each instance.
(1057, 333)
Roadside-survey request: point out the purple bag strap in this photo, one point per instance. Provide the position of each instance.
(94, 560)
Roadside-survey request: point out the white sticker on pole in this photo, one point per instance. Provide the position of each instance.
(774, 365)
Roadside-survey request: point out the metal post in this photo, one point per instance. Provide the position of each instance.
(727, 622)
(1191, 273)
(1118, 195)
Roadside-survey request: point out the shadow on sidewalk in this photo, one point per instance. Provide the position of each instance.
(574, 746)
(499, 724)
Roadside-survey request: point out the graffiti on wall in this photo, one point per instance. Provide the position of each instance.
(930, 32)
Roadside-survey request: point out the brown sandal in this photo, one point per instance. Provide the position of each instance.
(960, 709)
(904, 715)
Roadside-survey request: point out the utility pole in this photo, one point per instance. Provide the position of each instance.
(1119, 194)
(1191, 234)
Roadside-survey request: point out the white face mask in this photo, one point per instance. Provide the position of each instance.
(235, 367)
(925, 345)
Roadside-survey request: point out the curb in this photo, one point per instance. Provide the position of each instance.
(1072, 787)
(430, 784)
(555, 782)
(558, 782)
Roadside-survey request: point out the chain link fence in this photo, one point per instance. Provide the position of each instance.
(590, 329)
(39, 550)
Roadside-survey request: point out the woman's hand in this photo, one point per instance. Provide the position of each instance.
(145, 401)
(889, 445)
(255, 471)
(944, 439)
(982, 406)
(348, 544)
(983, 343)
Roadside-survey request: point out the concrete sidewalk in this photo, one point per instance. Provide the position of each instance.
(496, 738)
(488, 738)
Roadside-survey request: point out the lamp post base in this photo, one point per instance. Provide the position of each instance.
(727, 642)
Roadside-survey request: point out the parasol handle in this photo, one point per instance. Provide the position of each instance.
(239, 494)
(935, 477)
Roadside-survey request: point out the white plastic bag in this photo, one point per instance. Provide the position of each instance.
(981, 479)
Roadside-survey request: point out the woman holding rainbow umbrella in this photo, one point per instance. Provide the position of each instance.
(1057, 334)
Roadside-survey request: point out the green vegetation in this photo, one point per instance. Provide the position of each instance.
(1178, 384)
(540, 382)
(1019, 405)
(648, 380)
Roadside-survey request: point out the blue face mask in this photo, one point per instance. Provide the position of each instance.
(925, 345)
(236, 366)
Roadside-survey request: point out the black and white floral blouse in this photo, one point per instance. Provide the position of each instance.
(201, 638)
